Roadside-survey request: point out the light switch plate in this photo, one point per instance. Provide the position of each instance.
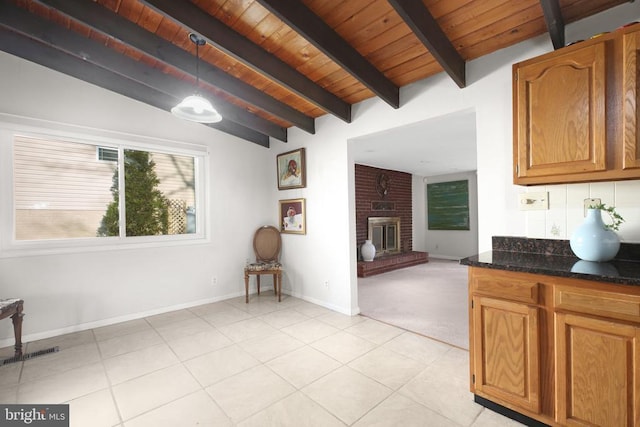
(533, 201)
(590, 202)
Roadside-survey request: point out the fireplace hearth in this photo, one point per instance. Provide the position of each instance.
(388, 263)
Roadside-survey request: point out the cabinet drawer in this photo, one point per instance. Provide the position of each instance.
(601, 303)
(505, 285)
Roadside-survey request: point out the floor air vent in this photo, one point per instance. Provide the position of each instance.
(29, 355)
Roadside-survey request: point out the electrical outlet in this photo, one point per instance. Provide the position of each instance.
(590, 202)
(326, 284)
(214, 280)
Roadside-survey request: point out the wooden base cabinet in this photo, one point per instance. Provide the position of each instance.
(597, 352)
(505, 339)
(561, 351)
(506, 343)
(596, 372)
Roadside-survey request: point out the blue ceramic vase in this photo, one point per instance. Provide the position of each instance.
(591, 241)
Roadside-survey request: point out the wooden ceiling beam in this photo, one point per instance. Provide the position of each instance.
(242, 49)
(112, 25)
(426, 28)
(306, 23)
(24, 47)
(555, 22)
(54, 35)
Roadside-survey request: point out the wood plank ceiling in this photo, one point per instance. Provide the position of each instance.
(272, 64)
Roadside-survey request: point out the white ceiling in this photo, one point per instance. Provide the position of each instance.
(438, 146)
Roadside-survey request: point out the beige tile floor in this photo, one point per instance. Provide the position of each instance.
(258, 364)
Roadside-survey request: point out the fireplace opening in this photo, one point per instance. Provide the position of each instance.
(384, 233)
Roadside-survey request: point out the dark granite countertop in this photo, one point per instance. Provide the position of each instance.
(554, 258)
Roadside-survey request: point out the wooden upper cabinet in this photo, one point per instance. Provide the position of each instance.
(631, 99)
(560, 114)
(575, 112)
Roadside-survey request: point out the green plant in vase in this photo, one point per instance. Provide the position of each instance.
(616, 219)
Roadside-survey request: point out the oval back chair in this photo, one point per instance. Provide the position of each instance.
(266, 246)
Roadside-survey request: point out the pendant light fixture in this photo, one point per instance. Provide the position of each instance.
(195, 107)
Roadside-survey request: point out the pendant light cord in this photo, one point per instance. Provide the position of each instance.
(197, 66)
(198, 41)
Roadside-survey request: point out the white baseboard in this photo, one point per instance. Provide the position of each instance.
(447, 257)
(331, 307)
(10, 342)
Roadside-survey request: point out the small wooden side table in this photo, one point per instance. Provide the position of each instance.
(13, 308)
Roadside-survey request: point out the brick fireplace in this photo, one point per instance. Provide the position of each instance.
(382, 194)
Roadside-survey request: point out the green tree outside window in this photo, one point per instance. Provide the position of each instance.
(146, 207)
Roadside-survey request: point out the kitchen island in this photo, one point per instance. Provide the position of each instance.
(555, 340)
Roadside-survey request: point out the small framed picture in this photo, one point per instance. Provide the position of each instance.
(291, 170)
(292, 216)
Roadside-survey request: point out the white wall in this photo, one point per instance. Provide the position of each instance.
(453, 244)
(74, 291)
(419, 215)
(63, 292)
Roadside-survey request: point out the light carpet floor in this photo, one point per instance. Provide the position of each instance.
(429, 299)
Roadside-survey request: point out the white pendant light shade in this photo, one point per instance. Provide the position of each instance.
(196, 109)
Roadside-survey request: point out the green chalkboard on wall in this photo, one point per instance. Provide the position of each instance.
(448, 205)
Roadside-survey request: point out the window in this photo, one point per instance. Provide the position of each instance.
(64, 192)
(107, 154)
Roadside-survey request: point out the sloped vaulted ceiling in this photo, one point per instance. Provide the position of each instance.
(272, 64)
